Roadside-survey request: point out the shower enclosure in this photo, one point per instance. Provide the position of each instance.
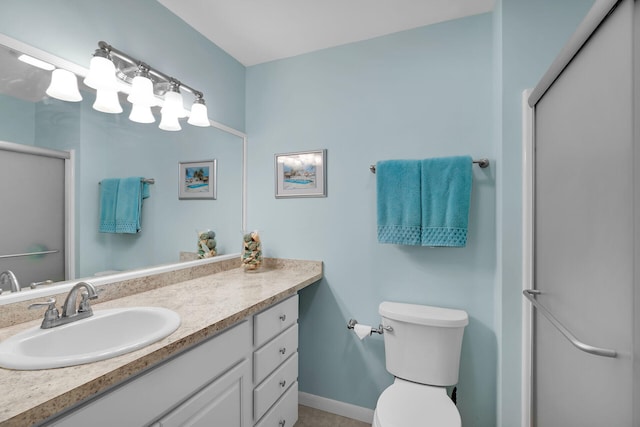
(582, 228)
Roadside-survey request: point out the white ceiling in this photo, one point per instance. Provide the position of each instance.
(257, 31)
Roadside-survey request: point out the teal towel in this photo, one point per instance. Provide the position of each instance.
(398, 201)
(446, 195)
(108, 197)
(129, 205)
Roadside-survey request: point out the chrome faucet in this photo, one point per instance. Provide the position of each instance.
(11, 278)
(70, 313)
(84, 309)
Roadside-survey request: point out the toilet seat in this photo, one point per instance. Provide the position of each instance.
(407, 404)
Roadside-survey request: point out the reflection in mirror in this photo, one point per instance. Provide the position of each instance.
(111, 146)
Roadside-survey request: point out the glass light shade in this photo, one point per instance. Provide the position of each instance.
(107, 101)
(141, 114)
(169, 122)
(142, 92)
(102, 74)
(173, 104)
(199, 116)
(64, 86)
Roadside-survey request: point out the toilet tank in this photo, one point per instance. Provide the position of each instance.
(424, 342)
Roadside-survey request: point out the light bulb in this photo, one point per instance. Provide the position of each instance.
(64, 86)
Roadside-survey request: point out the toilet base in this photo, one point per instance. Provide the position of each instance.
(408, 404)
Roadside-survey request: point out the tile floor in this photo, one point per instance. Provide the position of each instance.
(311, 417)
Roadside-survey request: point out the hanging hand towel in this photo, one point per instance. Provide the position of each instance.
(129, 205)
(446, 194)
(398, 201)
(108, 197)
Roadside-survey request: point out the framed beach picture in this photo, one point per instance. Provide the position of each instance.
(197, 180)
(301, 174)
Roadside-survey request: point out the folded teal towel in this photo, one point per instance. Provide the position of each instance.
(446, 195)
(398, 201)
(129, 205)
(108, 197)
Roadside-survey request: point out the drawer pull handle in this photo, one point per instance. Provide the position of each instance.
(283, 383)
(282, 423)
(283, 350)
(283, 317)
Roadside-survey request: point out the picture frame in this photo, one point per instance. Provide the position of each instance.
(301, 174)
(197, 180)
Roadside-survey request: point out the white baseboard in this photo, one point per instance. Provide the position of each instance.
(335, 407)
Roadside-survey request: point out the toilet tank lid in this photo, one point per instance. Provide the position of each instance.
(424, 314)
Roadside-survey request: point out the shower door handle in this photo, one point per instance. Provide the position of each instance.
(605, 352)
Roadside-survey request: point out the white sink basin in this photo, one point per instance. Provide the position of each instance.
(106, 334)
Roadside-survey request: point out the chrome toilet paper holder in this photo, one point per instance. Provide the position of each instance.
(353, 322)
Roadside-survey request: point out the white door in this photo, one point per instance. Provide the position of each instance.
(586, 235)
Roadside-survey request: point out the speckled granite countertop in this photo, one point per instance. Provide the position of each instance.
(206, 306)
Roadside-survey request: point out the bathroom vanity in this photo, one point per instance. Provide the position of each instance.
(233, 358)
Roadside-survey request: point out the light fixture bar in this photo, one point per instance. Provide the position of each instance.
(159, 74)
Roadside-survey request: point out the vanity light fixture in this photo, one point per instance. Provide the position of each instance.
(149, 87)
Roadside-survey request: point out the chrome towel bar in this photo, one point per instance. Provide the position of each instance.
(605, 352)
(483, 163)
(29, 254)
(147, 180)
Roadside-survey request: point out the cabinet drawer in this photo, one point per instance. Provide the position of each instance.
(285, 412)
(274, 320)
(274, 386)
(273, 353)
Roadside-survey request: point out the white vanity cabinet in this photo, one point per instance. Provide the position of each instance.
(246, 375)
(207, 385)
(275, 365)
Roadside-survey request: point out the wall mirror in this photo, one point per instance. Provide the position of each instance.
(111, 146)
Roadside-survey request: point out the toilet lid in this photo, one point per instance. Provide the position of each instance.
(407, 404)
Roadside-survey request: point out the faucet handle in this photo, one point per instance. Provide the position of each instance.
(84, 305)
(44, 282)
(51, 303)
(52, 311)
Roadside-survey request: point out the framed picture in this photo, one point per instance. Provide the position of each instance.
(301, 174)
(197, 180)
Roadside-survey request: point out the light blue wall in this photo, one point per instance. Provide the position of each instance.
(18, 117)
(415, 94)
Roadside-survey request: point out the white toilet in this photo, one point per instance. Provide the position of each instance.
(422, 348)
